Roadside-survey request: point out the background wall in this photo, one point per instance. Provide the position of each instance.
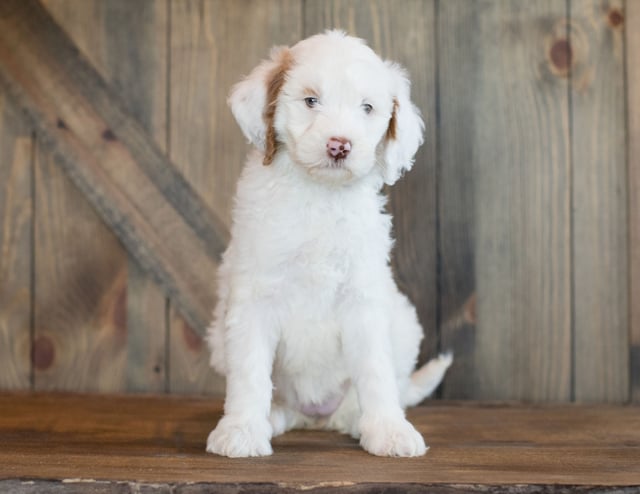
(518, 228)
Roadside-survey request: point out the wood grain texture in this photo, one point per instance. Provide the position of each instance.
(632, 21)
(517, 228)
(407, 36)
(80, 285)
(116, 438)
(80, 282)
(72, 486)
(459, 70)
(600, 222)
(80, 289)
(16, 216)
(211, 50)
(116, 40)
(135, 39)
(147, 367)
(521, 165)
(128, 47)
(109, 156)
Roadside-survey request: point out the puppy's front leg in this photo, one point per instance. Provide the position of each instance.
(250, 343)
(384, 430)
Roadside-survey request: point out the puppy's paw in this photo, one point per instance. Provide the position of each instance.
(390, 437)
(240, 438)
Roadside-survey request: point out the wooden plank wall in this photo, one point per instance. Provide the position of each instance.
(520, 167)
(517, 229)
(633, 145)
(599, 202)
(17, 147)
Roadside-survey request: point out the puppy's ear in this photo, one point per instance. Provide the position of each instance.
(404, 134)
(253, 101)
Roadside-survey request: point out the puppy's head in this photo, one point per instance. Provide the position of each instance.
(334, 107)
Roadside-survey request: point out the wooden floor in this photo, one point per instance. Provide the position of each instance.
(79, 443)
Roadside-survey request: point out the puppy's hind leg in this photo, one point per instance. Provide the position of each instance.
(426, 379)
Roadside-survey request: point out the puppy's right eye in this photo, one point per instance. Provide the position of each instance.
(311, 101)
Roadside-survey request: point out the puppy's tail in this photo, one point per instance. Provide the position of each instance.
(426, 379)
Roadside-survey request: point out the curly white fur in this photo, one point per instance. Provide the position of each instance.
(310, 328)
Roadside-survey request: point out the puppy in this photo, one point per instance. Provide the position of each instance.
(310, 328)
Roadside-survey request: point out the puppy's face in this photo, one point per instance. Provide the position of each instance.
(334, 107)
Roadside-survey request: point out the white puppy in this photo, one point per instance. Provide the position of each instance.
(310, 328)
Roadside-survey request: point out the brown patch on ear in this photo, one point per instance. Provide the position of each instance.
(392, 128)
(276, 80)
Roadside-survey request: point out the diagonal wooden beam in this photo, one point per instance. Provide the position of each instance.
(136, 189)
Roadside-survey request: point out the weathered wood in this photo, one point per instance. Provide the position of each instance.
(599, 206)
(135, 51)
(16, 262)
(210, 51)
(73, 486)
(138, 192)
(527, 123)
(80, 289)
(521, 165)
(95, 27)
(80, 280)
(631, 19)
(189, 358)
(162, 441)
(147, 333)
(399, 34)
(128, 46)
(459, 69)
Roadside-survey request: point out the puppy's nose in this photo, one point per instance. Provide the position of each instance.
(338, 147)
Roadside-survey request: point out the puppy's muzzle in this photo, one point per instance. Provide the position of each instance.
(338, 148)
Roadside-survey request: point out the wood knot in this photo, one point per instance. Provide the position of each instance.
(192, 339)
(561, 56)
(108, 135)
(615, 17)
(43, 353)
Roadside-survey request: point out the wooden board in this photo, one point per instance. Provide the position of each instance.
(16, 242)
(110, 157)
(80, 323)
(210, 51)
(136, 51)
(74, 437)
(80, 286)
(459, 68)
(521, 169)
(128, 46)
(412, 200)
(599, 204)
(517, 229)
(632, 18)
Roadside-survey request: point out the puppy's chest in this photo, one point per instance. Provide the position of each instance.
(320, 261)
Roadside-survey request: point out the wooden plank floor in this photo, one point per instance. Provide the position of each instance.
(137, 444)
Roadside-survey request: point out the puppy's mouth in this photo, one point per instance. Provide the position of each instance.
(336, 163)
(334, 170)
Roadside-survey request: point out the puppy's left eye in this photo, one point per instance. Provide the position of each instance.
(367, 108)
(311, 101)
